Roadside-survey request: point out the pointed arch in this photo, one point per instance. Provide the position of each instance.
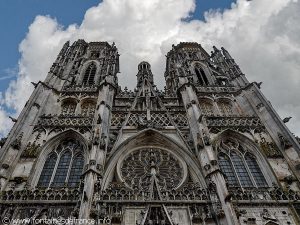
(250, 166)
(51, 147)
(60, 177)
(227, 169)
(150, 138)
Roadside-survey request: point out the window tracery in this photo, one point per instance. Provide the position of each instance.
(207, 108)
(239, 166)
(139, 166)
(68, 108)
(63, 165)
(225, 108)
(88, 108)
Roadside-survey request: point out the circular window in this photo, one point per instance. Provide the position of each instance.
(140, 168)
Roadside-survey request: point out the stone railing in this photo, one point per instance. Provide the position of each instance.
(49, 194)
(74, 88)
(264, 194)
(217, 89)
(65, 121)
(121, 193)
(238, 123)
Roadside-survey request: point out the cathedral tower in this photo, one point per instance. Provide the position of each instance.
(209, 149)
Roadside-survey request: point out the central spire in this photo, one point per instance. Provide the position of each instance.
(144, 75)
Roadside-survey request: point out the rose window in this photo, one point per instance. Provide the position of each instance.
(140, 167)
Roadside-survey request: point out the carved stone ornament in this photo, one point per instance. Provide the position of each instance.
(31, 151)
(285, 143)
(270, 149)
(138, 167)
(16, 144)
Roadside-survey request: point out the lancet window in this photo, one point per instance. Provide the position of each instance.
(201, 76)
(89, 75)
(63, 166)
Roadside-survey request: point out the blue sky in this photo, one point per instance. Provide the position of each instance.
(17, 15)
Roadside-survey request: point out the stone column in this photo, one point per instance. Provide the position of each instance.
(98, 149)
(205, 153)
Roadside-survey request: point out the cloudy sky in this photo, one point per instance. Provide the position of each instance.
(262, 35)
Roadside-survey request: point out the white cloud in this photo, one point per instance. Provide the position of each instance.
(262, 35)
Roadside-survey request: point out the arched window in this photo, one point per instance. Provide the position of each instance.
(63, 166)
(62, 170)
(68, 108)
(227, 169)
(76, 170)
(88, 108)
(241, 170)
(47, 170)
(240, 167)
(255, 170)
(202, 79)
(89, 75)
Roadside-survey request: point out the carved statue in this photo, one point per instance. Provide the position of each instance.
(285, 143)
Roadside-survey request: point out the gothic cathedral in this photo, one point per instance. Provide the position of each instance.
(209, 149)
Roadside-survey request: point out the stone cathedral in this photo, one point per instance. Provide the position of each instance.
(209, 149)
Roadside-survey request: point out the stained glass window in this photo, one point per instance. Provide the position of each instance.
(241, 170)
(240, 167)
(255, 171)
(47, 171)
(227, 169)
(76, 171)
(70, 161)
(62, 170)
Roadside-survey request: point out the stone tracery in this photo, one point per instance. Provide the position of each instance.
(139, 166)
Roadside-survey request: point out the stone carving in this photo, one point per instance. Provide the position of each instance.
(41, 194)
(65, 121)
(116, 191)
(274, 193)
(217, 124)
(32, 150)
(270, 149)
(16, 144)
(80, 88)
(117, 118)
(284, 142)
(137, 167)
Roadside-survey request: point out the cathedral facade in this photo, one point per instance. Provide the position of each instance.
(208, 149)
